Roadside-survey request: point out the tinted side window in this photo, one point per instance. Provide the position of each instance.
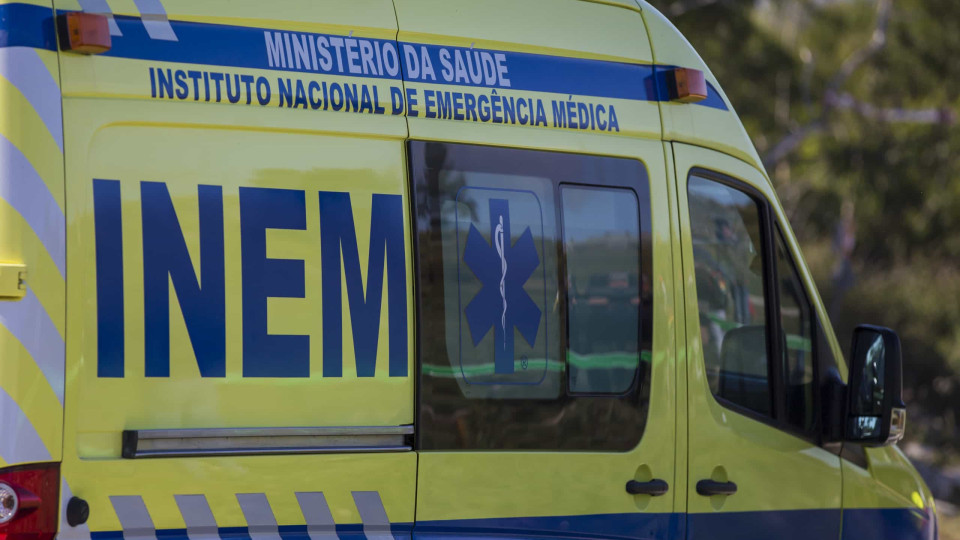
(726, 231)
(601, 243)
(534, 330)
(798, 359)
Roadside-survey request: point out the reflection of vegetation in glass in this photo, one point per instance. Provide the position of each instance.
(725, 232)
(454, 413)
(601, 235)
(797, 322)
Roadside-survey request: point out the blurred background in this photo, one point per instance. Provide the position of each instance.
(853, 106)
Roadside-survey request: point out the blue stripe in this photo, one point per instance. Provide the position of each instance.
(231, 533)
(865, 524)
(713, 100)
(172, 534)
(24, 25)
(781, 524)
(106, 535)
(209, 44)
(613, 526)
(889, 523)
(244, 47)
(353, 531)
(557, 74)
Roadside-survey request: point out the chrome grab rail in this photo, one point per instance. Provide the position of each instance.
(265, 441)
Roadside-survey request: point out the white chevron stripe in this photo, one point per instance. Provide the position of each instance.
(316, 512)
(155, 20)
(101, 7)
(261, 523)
(31, 325)
(197, 516)
(22, 187)
(376, 525)
(137, 523)
(134, 517)
(20, 442)
(24, 69)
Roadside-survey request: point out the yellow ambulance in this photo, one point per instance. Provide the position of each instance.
(411, 269)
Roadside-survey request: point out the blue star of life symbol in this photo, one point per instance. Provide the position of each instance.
(503, 269)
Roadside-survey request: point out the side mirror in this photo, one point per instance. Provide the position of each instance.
(875, 411)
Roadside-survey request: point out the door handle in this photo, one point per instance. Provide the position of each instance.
(712, 487)
(654, 487)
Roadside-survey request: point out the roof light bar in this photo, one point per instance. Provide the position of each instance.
(687, 85)
(85, 33)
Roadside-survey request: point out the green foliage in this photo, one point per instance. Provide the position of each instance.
(879, 98)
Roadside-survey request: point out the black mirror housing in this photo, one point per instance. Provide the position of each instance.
(876, 414)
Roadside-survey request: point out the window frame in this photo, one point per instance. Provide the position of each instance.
(641, 387)
(816, 433)
(776, 350)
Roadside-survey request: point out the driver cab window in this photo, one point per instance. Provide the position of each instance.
(726, 231)
(736, 251)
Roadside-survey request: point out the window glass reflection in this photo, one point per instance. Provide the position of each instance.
(601, 237)
(725, 230)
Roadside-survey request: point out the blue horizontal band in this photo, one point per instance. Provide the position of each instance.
(563, 75)
(208, 44)
(26, 25)
(899, 523)
(353, 531)
(244, 47)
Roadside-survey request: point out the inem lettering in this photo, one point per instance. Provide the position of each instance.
(167, 262)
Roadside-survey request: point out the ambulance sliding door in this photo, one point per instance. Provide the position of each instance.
(240, 306)
(545, 331)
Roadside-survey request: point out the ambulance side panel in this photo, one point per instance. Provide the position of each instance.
(239, 268)
(476, 477)
(32, 237)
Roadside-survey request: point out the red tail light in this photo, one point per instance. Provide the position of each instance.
(29, 502)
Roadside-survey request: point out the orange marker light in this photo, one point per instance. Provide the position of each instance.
(86, 33)
(689, 85)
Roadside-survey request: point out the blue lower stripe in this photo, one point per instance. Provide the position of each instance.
(354, 531)
(906, 523)
(613, 526)
(783, 525)
(859, 524)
